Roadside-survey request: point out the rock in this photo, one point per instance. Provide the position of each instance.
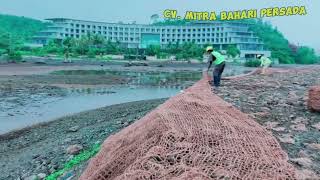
(74, 149)
(67, 140)
(74, 129)
(67, 176)
(33, 177)
(317, 126)
(35, 156)
(279, 129)
(299, 127)
(287, 139)
(300, 120)
(303, 154)
(304, 162)
(313, 146)
(270, 125)
(306, 174)
(42, 175)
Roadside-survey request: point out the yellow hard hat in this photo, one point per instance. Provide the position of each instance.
(209, 48)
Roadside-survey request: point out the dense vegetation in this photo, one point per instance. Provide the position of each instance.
(14, 32)
(280, 47)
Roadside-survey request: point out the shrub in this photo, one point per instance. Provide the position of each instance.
(252, 63)
(14, 56)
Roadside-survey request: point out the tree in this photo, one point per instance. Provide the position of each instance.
(233, 51)
(153, 50)
(306, 55)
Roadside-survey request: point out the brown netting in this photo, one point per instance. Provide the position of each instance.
(194, 135)
(314, 98)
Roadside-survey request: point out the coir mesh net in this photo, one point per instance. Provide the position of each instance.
(194, 135)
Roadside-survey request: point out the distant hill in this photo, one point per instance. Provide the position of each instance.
(20, 28)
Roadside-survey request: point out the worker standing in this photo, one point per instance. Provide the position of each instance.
(219, 62)
(265, 63)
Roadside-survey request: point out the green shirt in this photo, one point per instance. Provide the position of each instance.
(219, 58)
(265, 61)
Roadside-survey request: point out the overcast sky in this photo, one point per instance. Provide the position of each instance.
(298, 29)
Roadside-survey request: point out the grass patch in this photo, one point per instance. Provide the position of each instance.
(83, 156)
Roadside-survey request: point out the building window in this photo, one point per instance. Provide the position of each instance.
(94, 27)
(88, 26)
(82, 26)
(77, 25)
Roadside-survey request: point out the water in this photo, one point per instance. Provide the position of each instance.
(142, 86)
(77, 101)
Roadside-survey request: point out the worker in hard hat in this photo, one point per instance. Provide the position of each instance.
(219, 62)
(265, 63)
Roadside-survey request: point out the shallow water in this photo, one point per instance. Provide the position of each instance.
(77, 101)
(142, 86)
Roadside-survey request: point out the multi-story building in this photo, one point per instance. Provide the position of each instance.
(220, 34)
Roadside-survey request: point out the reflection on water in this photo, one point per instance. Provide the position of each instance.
(141, 78)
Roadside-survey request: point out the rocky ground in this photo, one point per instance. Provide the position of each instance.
(42, 149)
(279, 103)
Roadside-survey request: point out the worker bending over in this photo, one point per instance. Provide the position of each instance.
(265, 63)
(219, 61)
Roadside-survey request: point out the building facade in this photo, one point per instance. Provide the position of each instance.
(220, 34)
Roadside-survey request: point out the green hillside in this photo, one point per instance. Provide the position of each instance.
(20, 28)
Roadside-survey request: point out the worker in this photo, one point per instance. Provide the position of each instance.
(265, 63)
(219, 61)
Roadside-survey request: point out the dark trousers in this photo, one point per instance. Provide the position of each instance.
(218, 70)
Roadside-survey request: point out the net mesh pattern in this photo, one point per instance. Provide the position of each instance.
(314, 98)
(194, 135)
